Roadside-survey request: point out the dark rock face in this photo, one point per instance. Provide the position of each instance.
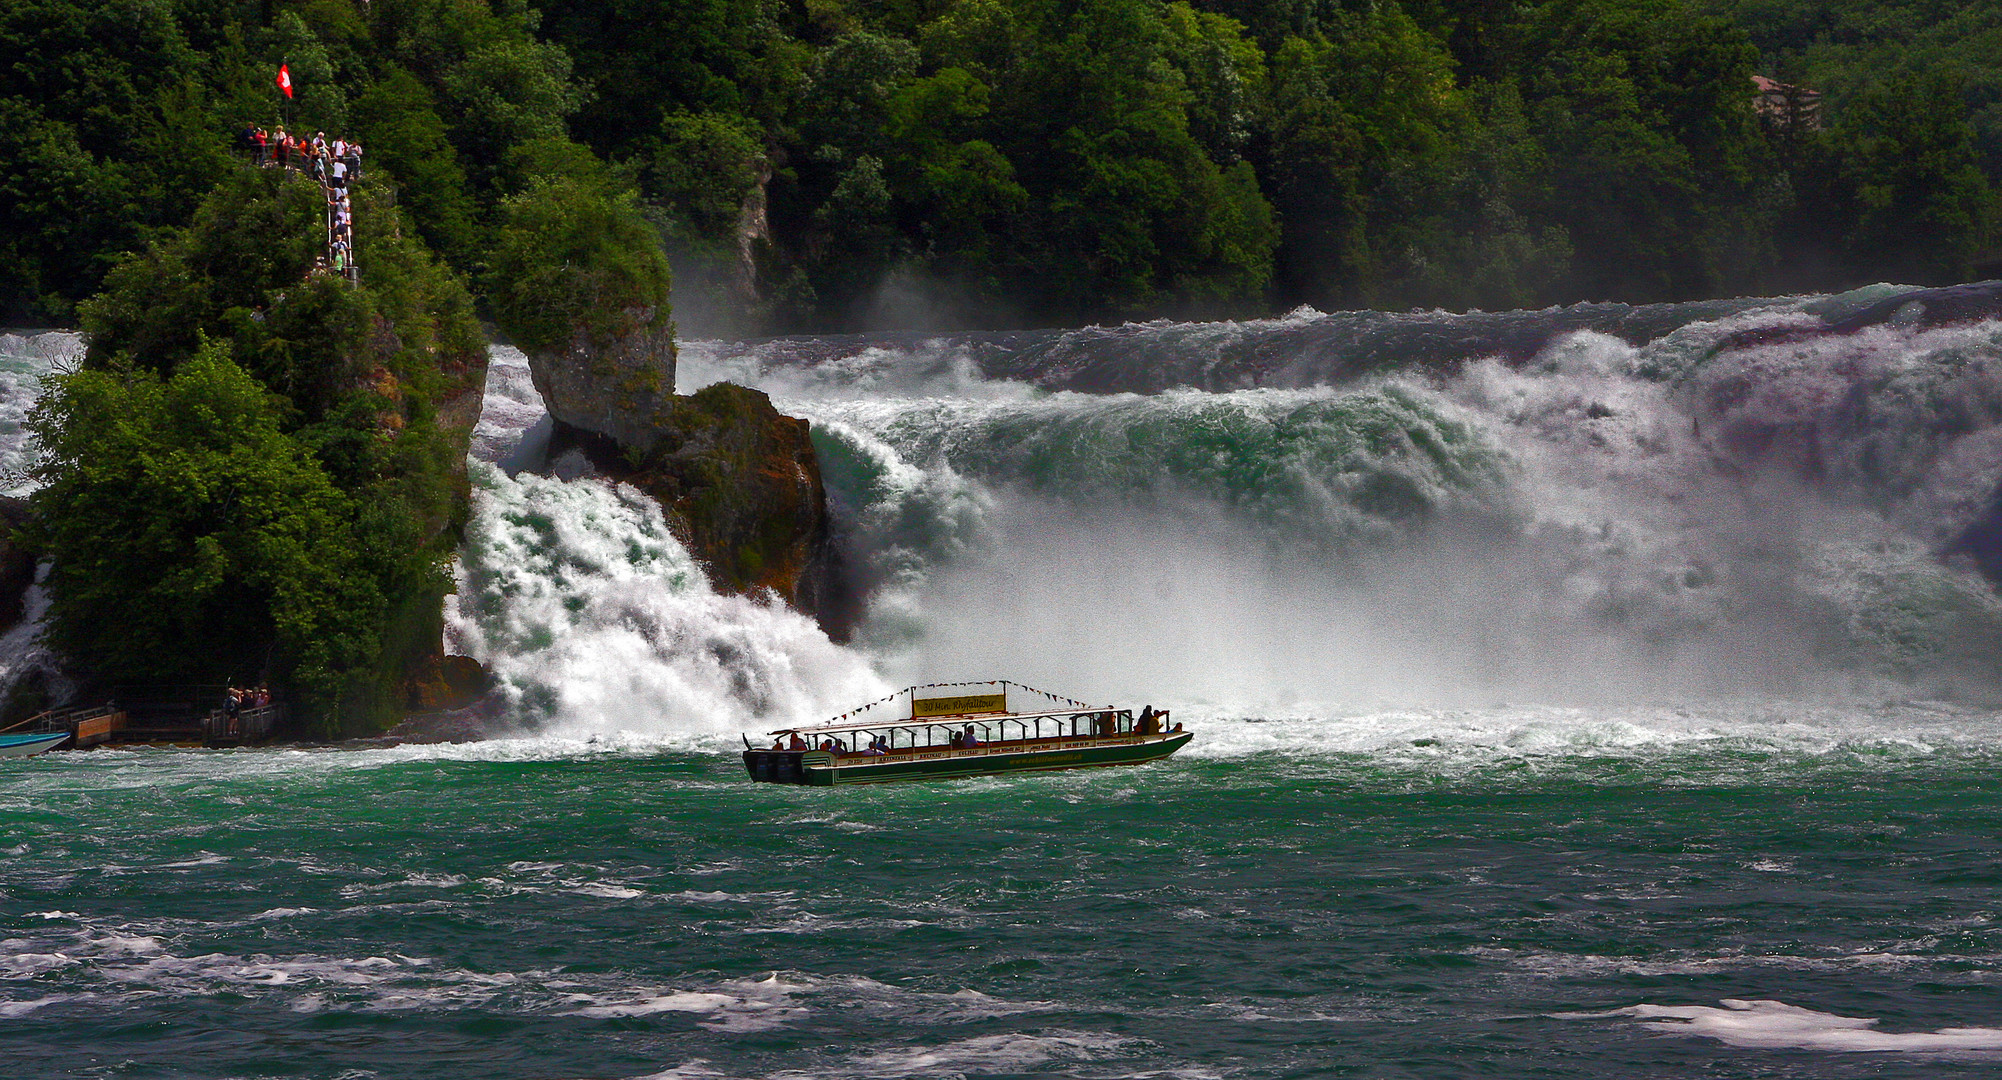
(740, 483)
(445, 683)
(617, 386)
(17, 564)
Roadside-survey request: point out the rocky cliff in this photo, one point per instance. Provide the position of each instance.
(616, 381)
(17, 563)
(739, 481)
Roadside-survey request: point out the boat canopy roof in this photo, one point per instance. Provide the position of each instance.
(938, 721)
(936, 703)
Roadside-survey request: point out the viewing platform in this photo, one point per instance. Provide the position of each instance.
(334, 166)
(160, 715)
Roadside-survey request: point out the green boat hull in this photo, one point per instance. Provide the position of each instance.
(818, 768)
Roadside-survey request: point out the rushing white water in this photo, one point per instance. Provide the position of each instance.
(1606, 525)
(26, 358)
(1776, 1025)
(597, 620)
(1563, 530)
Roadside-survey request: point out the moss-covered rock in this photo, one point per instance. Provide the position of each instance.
(741, 485)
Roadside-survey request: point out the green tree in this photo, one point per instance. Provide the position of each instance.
(397, 120)
(357, 377)
(702, 167)
(571, 257)
(105, 135)
(1646, 114)
(1133, 215)
(192, 541)
(1920, 206)
(318, 103)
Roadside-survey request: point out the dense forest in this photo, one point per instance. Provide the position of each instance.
(833, 163)
(1066, 160)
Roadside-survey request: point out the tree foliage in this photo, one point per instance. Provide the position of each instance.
(231, 355)
(192, 540)
(1048, 161)
(569, 255)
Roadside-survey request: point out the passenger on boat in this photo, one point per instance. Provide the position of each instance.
(1148, 725)
(955, 741)
(878, 747)
(969, 740)
(1106, 723)
(828, 744)
(796, 743)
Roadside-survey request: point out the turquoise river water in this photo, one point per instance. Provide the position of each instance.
(1544, 894)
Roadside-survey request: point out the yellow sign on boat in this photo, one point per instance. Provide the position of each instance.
(958, 706)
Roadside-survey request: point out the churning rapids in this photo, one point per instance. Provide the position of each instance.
(1587, 692)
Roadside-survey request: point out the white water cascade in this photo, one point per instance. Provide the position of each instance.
(1603, 525)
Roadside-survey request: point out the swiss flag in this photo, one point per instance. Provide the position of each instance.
(285, 79)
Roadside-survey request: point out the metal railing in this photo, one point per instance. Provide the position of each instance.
(219, 728)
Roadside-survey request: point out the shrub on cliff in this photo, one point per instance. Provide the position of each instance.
(575, 257)
(193, 541)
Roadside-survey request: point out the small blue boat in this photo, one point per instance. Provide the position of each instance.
(32, 743)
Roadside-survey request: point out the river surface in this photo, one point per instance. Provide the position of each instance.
(1611, 698)
(1492, 893)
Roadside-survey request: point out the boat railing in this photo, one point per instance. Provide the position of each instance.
(990, 732)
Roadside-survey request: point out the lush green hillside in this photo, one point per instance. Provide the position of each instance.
(257, 476)
(1042, 160)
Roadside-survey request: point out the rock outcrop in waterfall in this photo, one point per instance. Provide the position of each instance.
(615, 380)
(738, 480)
(583, 290)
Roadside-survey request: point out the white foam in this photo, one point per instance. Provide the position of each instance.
(1891, 957)
(1006, 1052)
(280, 913)
(14, 1010)
(1210, 538)
(598, 621)
(606, 891)
(25, 360)
(1775, 1025)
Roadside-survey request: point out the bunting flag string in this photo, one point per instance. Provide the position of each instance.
(912, 690)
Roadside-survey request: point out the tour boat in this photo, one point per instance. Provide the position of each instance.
(30, 744)
(962, 734)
